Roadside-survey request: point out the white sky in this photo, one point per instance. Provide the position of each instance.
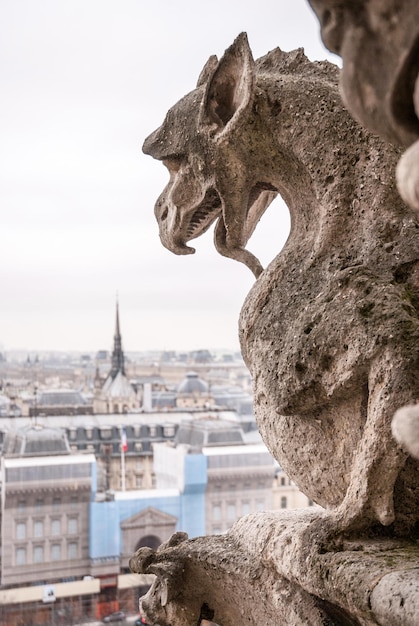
(82, 83)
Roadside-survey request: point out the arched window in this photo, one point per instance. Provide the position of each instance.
(151, 541)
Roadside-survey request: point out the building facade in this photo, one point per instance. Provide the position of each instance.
(64, 537)
(46, 494)
(45, 517)
(238, 474)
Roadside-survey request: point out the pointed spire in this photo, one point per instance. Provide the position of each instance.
(118, 359)
(117, 330)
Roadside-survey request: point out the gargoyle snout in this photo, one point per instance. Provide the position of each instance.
(153, 145)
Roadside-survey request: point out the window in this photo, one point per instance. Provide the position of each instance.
(21, 530)
(231, 511)
(38, 528)
(138, 482)
(138, 446)
(74, 502)
(21, 506)
(72, 525)
(56, 552)
(56, 503)
(169, 430)
(284, 503)
(72, 550)
(282, 481)
(105, 433)
(38, 554)
(216, 512)
(260, 505)
(153, 431)
(56, 526)
(39, 504)
(20, 556)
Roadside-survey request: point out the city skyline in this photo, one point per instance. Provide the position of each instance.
(83, 84)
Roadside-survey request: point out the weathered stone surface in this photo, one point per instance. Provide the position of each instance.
(270, 569)
(378, 41)
(330, 335)
(395, 599)
(329, 331)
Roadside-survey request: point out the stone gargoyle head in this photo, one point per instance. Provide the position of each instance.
(209, 145)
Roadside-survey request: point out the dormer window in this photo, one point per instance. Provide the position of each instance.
(105, 433)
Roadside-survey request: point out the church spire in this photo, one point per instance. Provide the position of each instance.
(118, 359)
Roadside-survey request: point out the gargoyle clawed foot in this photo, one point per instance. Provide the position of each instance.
(167, 568)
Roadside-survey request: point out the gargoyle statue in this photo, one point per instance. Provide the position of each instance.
(330, 330)
(378, 41)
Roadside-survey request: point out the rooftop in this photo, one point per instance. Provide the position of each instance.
(35, 440)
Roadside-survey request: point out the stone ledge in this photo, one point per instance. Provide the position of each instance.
(274, 566)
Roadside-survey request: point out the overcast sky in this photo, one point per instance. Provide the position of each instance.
(82, 83)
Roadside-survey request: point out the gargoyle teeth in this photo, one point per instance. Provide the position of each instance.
(204, 215)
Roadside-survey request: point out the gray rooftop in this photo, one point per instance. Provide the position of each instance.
(35, 441)
(209, 432)
(60, 397)
(192, 384)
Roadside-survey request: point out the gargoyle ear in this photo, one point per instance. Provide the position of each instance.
(229, 91)
(207, 71)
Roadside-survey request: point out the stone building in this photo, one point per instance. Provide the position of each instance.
(45, 520)
(122, 467)
(239, 473)
(193, 392)
(46, 492)
(286, 494)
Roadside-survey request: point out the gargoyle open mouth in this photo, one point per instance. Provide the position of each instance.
(204, 215)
